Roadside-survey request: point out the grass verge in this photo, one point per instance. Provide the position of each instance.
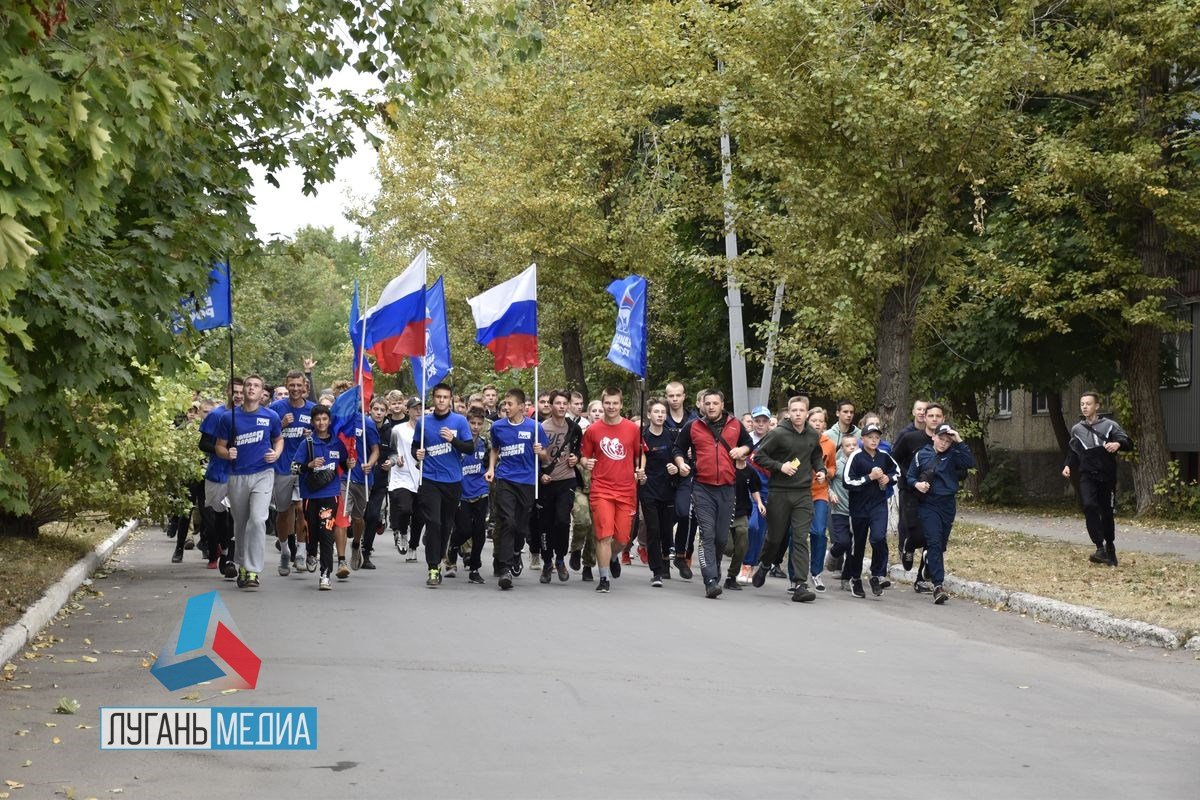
(1157, 589)
(34, 564)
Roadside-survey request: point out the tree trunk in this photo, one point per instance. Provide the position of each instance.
(1141, 367)
(966, 406)
(1062, 434)
(572, 353)
(893, 349)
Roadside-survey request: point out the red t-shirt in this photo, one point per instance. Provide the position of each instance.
(616, 449)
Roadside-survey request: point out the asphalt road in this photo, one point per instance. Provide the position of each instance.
(555, 691)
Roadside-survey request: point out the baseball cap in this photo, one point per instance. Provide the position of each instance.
(944, 428)
(872, 428)
(760, 411)
(413, 402)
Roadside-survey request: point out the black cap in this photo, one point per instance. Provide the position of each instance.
(413, 402)
(944, 428)
(872, 428)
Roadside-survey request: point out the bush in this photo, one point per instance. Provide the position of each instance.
(1174, 497)
(1002, 485)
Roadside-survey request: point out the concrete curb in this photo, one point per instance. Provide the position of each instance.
(14, 638)
(1058, 612)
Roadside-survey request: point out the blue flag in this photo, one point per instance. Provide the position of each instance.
(629, 342)
(360, 358)
(436, 363)
(211, 309)
(346, 412)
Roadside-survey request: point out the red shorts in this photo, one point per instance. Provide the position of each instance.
(612, 518)
(342, 520)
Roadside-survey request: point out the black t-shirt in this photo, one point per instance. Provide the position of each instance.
(659, 484)
(906, 447)
(745, 483)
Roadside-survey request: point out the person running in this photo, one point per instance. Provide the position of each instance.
(406, 520)
(869, 473)
(1092, 456)
(839, 512)
(441, 442)
(294, 412)
(377, 486)
(845, 423)
(747, 494)
(657, 493)
(821, 499)
(366, 456)
(557, 496)
(470, 524)
(250, 438)
(518, 444)
(792, 454)
(320, 458)
(612, 452)
(935, 474)
(679, 415)
(714, 442)
(908, 530)
(218, 523)
(761, 425)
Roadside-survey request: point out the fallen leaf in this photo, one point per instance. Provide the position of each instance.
(228, 691)
(82, 727)
(23, 733)
(87, 641)
(27, 763)
(89, 659)
(15, 784)
(67, 705)
(70, 661)
(56, 740)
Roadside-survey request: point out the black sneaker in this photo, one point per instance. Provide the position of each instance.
(876, 586)
(1099, 557)
(367, 563)
(939, 596)
(506, 580)
(230, 570)
(656, 581)
(776, 572)
(177, 556)
(251, 580)
(547, 571)
(803, 594)
(884, 583)
(587, 574)
(603, 586)
(1110, 553)
(242, 577)
(923, 587)
(856, 588)
(563, 575)
(732, 584)
(760, 575)
(712, 590)
(475, 577)
(906, 558)
(517, 566)
(682, 568)
(576, 560)
(614, 566)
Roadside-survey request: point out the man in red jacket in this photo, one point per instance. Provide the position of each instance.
(713, 443)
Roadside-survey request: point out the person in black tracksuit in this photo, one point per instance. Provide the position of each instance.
(934, 475)
(1092, 455)
(868, 474)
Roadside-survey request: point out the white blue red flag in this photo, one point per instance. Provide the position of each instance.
(396, 324)
(506, 321)
(435, 364)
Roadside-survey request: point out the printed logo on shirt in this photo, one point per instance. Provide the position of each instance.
(524, 434)
(439, 449)
(248, 438)
(512, 450)
(263, 422)
(612, 447)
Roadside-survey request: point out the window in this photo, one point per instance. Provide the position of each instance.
(1041, 403)
(1004, 403)
(1177, 351)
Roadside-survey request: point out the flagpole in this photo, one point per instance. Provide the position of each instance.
(229, 288)
(424, 389)
(537, 466)
(362, 395)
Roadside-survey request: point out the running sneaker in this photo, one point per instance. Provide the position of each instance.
(939, 595)
(625, 559)
(682, 567)
(614, 567)
(712, 590)
(449, 570)
(603, 586)
(367, 562)
(398, 541)
(285, 565)
(1110, 552)
(356, 556)
(310, 562)
(251, 580)
(818, 584)
(745, 574)
(923, 587)
(563, 574)
(434, 578)
(177, 556)
(324, 585)
(907, 558)
(845, 584)
(518, 566)
(856, 588)
(242, 576)
(576, 560)
(411, 556)
(776, 572)
(535, 562)
(587, 575)
(297, 567)
(643, 554)
(474, 577)
(792, 586)
(506, 580)
(884, 583)
(343, 570)
(731, 583)
(212, 563)
(230, 570)
(465, 549)
(876, 586)
(547, 571)
(803, 594)
(190, 544)
(832, 564)
(760, 575)
(656, 581)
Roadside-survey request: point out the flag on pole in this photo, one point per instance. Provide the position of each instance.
(506, 321)
(628, 348)
(211, 309)
(344, 413)
(360, 358)
(436, 361)
(396, 324)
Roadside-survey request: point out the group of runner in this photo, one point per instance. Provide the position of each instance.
(578, 489)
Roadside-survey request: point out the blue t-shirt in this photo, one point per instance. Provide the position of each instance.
(293, 435)
(360, 456)
(255, 431)
(334, 453)
(513, 444)
(217, 470)
(474, 465)
(442, 462)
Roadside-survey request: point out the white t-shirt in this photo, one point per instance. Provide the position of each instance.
(404, 477)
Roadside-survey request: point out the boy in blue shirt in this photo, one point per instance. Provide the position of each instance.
(470, 523)
(441, 441)
(295, 419)
(218, 524)
(935, 473)
(518, 444)
(320, 458)
(869, 475)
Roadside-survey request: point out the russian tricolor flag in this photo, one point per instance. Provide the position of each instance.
(506, 321)
(396, 324)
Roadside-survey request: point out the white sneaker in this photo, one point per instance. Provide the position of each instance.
(410, 556)
(745, 575)
(325, 586)
(535, 562)
(818, 584)
(285, 564)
